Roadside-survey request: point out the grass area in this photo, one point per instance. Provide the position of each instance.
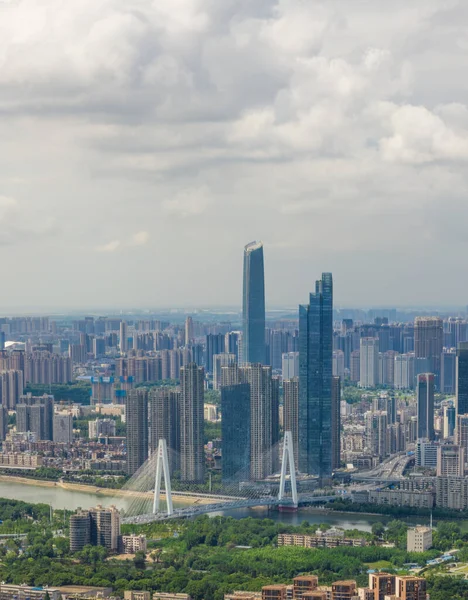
(380, 565)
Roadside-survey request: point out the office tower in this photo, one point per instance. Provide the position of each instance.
(229, 375)
(450, 461)
(3, 422)
(290, 365)
(338, 364)
(382, 584)
(376, 433)
(11, 388)
(343, 590)
(449, 421)
(253, 305)
(99, 347)
(291, 412)
(220, 361)
(236, 429)
(275, 424)
(2, 340)
(259, 378)
(36, 414)
(461, 403)
(410, 588)
(355, 366)
(315, 380)
(164, 416)
(336, 423)
(425, 399)
(63, 428)
(101, 428)
(214, 345)
(123, 337)
(448, 371)
(461, 433)
(188, 330)
(428, 344)
(192, 455)
(80, 530)
(426, 454)
(105, 527)
(232, 343)
(404, 372)
(369, 353)
(136, 415)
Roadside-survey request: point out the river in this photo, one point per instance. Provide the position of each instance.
(71, 499)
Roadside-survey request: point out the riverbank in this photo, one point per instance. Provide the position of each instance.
(98, 491)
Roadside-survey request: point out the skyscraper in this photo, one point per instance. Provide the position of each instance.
(315, 380)
(428, 344)
(136, 414)
(290, 412)
(462, 379)
(63, 428)
(235, 425)
(192, 454)
(259, 378)
(214, 345)
(336, 423)
(220, 361)
(253, 306)
(164, 413)
(36, 414)
(188, 330)
(123, 337)
(425, 397)
(369, 356)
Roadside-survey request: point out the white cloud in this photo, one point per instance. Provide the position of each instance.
(109, 247)
(139, 239)
(189, 203)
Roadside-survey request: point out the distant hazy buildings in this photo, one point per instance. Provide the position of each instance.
(253, 305)
(315, 380)
(404, 378)
(192, 454)
(220, 361)
(123, 337)
(136, 415)
(11, 388)
(290, 365)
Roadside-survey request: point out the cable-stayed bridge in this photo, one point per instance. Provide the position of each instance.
(144, 491)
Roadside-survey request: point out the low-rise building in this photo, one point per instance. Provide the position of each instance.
(137, 595)
(133, 543)
(417, 499)
(318, 541)
(13, 460)
(419, 539)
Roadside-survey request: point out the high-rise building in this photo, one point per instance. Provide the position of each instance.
(253, 305)
(404, 378)
(425, 399)
(188, 330)
(192, 454)
(97, 526)
(428, 344)
(36, 414)
(355, 366)
(136, 415)
(99, 347)
(275, 423)
(336, 423)
(449, 421)
(80, 530)
(11, 388)
(450, 461)
(369, 355)
(461, 433)
(338, 364)
(233, 343)
(220, 361)
(376, 432)
(214, 345)
(290, 365)
(461, 402)
(291, 412)
(164, 415)
(315, 380)
(448, 371)
(63, 428)
(101, 428)
(123, 337)
(236, 430)
(3, 422)
(259, 378)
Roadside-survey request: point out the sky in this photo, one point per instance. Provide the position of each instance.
(144, 143)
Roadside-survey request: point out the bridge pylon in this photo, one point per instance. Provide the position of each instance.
(162, 467)
(288, 458)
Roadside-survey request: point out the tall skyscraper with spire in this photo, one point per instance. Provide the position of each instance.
(253, 306)
(315, 380)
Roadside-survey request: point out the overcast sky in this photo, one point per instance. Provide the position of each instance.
(143, 144)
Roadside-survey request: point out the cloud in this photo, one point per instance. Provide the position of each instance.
(139, 239)
(109, 247)
(189, 203)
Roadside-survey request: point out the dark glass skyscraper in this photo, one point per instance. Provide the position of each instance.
(425, 396)
(136, 414)
(235, 406)
(462, 379)
(253, 306)
(315, 380)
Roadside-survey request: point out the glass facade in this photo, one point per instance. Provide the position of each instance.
(235, 424)
(425, 395)
(315, 380)
(253, 306)
(462, 379)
